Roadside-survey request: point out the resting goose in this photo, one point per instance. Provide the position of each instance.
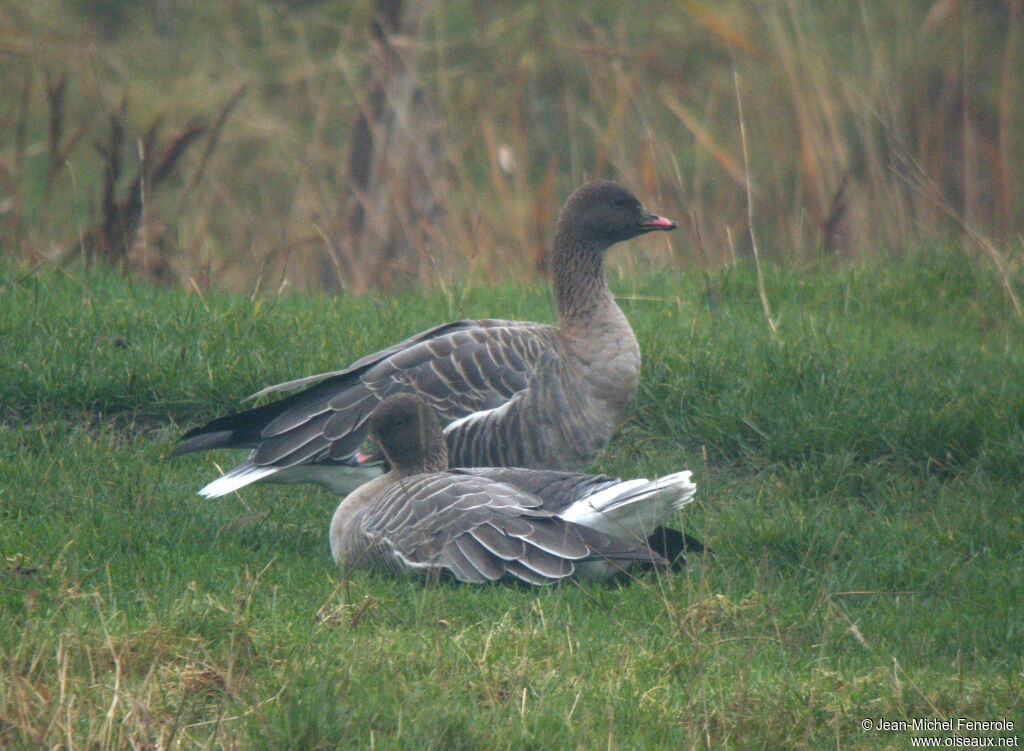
(509, 393)
(480, 525)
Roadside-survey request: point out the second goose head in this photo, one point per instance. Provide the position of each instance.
(409, 434)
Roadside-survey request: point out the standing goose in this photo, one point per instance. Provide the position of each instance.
(509, 393)
(481, 525)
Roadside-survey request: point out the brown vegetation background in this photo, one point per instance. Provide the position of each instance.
(364, 144)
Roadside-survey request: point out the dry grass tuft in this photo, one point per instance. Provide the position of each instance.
(371, 145)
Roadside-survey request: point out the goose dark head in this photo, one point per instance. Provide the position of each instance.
(595, 217)
(602, 213)
(409, 433)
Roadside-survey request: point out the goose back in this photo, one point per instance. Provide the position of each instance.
(471, 528)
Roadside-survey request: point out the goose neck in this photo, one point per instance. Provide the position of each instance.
(579, 280)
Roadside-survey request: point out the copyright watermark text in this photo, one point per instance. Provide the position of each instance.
(965, 732)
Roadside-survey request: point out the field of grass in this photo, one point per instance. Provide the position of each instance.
(860, 483)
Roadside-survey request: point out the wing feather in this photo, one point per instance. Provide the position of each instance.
(521, 571)
(483, 560)
(455, 560)
(506, 547)
(559, 540)
(547, 564)
(293, 447)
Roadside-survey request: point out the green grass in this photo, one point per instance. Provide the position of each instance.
(860, 483)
